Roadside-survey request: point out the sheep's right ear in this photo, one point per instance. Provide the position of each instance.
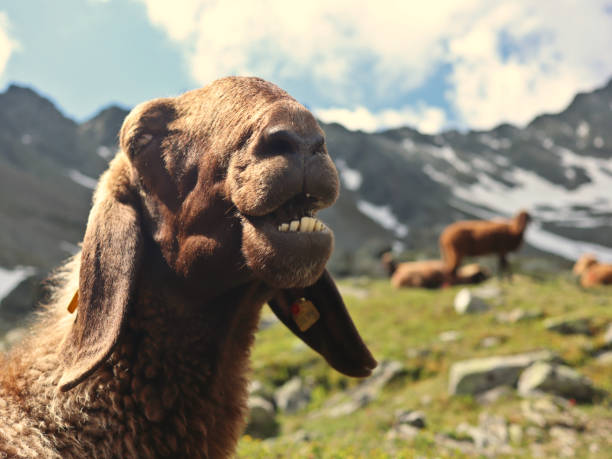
(110, 261)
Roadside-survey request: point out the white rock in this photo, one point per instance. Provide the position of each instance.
(467, 303)
(479, 375)
(555, 379)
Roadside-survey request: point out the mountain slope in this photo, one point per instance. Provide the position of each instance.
(399, 187)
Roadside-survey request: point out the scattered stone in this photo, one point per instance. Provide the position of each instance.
(386, 372)
(518, 315)
(491, 341)
(467, 303)
(565, 326)
(292, 396)
(256, 388)
(515, 432)
(357, 292)
(605, 358)
(262, 418)
(493, 395)
(471, 377)
(490, 436)
(453, 444)
(412, 418)
(488, 292)
(565, 440)
(548, 411)
(449, 336)
(535, 433)
(556, 379)
(418, 353)
(267, 321)
(402, 432)
(607, 337)
(357, 402)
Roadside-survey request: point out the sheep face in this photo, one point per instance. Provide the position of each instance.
(241, 168)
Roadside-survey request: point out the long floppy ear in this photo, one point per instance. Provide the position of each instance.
(317, 315)
(110, 260)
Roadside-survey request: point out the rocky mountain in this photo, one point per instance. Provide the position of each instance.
(400, 187)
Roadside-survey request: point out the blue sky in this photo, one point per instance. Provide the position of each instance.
(368, 65)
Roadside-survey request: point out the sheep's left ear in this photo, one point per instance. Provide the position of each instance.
(318, 316)
(110, 261)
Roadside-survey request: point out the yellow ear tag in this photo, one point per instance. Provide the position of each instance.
(304, 314)
(74, 303)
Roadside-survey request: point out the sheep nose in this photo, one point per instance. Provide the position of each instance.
(280, 140)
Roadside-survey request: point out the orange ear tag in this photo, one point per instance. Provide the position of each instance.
(74, 303)
(304, 314)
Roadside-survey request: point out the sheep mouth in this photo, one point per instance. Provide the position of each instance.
(296, 215)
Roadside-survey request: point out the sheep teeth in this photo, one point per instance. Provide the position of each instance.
(307, 224)
(304, 225)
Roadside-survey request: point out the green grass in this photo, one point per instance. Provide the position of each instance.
(393, 322)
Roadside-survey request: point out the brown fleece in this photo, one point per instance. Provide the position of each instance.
(181, 251)
(478, 237)
(591, 272)
(429, 273)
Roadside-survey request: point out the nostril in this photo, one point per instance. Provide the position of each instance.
(279, 141)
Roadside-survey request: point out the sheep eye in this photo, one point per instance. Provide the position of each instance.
(140, 141)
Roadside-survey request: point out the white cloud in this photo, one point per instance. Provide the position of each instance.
(399, 42)
(515, 60)
(7, 44)
(427, 119)
(509, 60)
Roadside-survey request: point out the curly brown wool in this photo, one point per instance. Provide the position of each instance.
(183, 247)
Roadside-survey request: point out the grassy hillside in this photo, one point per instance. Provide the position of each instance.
(405, 326)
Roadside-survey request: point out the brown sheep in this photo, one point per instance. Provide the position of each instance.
(429, 273)
(592, 272)
(206, 213)
(478, 237)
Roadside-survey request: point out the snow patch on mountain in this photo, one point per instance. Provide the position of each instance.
(11, 278)
(532, 192)
(383, 215)
(82, 179)
(351, 178)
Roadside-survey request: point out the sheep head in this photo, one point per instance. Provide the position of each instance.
(226, 181)
(243, 153)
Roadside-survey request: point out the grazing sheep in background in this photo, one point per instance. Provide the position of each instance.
(592, 272)
(429, 273)
(426, 274)
(206, 213)
(479, 237)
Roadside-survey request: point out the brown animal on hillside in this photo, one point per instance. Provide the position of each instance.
(206, 213)
(592, 272)
(429, 273)
(479, 237)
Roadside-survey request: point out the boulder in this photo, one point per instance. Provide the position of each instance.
(411, 418)
(467, 303)
(565, 326)
(471, 377)
(518, 315)
(261, 422)
(556, 379)
(292, 396)
(607, 337)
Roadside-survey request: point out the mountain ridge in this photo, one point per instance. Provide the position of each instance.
(400, 187)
